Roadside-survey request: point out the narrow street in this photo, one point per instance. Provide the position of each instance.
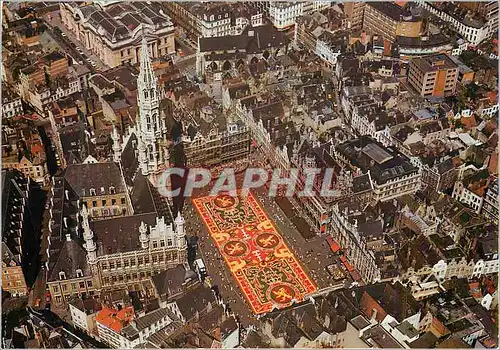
(53, 20)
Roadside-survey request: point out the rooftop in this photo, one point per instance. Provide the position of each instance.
(132, 330)
(383, 163)
(252, 40)
(434, 62)
(115, 319)
(393, 11)
(89, 305)
(103, 178)
(118, 22)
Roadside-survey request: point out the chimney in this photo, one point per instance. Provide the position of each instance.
(374, 315)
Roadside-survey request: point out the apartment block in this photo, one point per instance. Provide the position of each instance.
(434, 75)
(390, 20)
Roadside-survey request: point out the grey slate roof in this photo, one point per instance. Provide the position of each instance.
(83, 177)
(139, 324)
(71, 257)
(141, 197)
(130, 162)
(228, 326)
(195, 300)
(120, 234)
(170, 282)
(262, 38)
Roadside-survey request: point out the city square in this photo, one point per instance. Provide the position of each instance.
(268, 273)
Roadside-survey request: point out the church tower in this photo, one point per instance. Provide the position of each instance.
(153, 155)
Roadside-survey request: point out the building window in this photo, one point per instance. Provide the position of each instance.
(123, 200)
(113, 201)
(118, 264)
(89, 284)
(82, 285)
(155, 244)
(94, 203)
(64, 287)
(126, 263)
(104, 202)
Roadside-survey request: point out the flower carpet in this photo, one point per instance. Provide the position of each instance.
(268, 273)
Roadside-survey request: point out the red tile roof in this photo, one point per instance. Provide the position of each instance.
(115, 319)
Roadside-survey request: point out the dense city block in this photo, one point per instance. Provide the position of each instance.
(309, 174)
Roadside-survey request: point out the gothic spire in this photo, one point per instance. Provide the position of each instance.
(146, 74)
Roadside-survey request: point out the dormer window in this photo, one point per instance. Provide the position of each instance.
(79, 273)
(62, 275)
(112, 190)
(92, 191)
(102, 190)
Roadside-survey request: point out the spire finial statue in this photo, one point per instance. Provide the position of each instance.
(88, 235)
(85, 218)
(143, 238)
(117, 149)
